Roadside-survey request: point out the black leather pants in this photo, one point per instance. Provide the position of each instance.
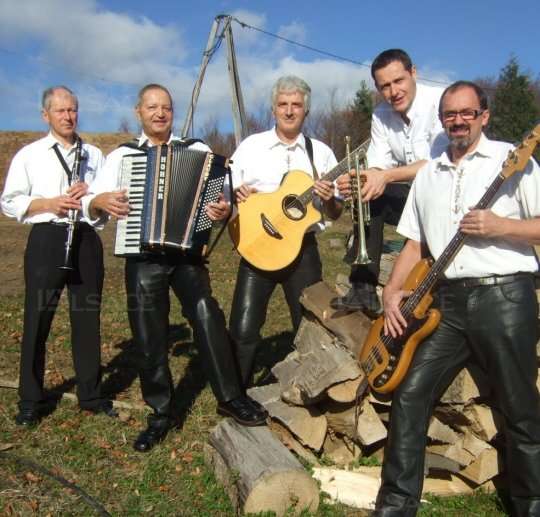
(252, 293)
(147, 283)
(385, 209)
(496, 326)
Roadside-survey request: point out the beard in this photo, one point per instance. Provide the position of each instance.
(460, 143)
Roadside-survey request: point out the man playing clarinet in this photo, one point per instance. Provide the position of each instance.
(42, 189)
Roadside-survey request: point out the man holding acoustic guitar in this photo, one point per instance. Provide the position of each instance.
(486, 300)
(259, 166)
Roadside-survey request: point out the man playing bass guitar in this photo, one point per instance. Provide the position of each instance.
(487, 300)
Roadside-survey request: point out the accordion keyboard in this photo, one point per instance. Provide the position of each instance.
(133, 175)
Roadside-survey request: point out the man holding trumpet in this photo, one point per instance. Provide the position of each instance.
(404, 130)
(39, 191)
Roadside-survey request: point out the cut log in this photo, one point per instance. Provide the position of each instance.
(318, 362)
(447, 486)
(348, 391)
(483, 420)
(340, 450)
(350, 328)
(441, 432)
(454, 452)
(307, 424)
(474, 445)
(354, 489)
(452, 415)
(386, 266)
(470, 383)
(483, 468)
(437, 462)
(287, 439)
(266, 475)
(342, 419)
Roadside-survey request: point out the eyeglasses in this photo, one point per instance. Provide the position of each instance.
(467, 114)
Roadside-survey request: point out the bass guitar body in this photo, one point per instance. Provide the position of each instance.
(269, 227)
(385, 360)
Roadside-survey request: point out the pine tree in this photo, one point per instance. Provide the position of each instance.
(514, 109)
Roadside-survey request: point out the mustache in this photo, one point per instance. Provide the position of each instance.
(458, 127)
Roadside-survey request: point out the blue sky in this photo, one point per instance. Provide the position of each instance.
(106, 50)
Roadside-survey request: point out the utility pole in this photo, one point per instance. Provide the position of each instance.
(214, 40)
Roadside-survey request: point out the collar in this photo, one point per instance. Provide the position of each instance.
(144, 139)
(484, 148)
(415, 107)
(274, 140)
(51, 141)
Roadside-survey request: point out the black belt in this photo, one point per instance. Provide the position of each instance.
(78, 224)
(482, 280)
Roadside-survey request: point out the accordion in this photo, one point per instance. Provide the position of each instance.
(168, 188)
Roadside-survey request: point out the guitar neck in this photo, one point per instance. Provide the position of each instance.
(341, 168)
(440, 265)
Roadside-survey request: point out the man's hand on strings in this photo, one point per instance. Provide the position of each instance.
(324, 189)
(243, 192)
(394, 322)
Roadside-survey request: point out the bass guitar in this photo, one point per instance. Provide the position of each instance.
(384, 359)
(269, 227)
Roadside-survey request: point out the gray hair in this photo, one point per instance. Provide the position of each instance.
(291, 84)
(49, 92)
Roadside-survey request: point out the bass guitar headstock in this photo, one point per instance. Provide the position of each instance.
(518, 158)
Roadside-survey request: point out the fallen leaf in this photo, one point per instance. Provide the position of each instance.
(32, 478)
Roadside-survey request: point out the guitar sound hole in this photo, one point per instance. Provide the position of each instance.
(293, 207)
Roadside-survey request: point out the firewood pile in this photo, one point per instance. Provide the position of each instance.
(322, 413)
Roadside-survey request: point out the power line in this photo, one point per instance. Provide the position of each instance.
(245, 25)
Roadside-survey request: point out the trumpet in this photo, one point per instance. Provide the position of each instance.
(360, 211)
(72, 214)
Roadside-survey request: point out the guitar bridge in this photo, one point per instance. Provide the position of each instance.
(269, 228)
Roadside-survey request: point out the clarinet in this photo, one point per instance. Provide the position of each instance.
(72, 214)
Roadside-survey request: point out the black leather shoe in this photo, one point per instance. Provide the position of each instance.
(258, 407)
(157, 430)
(360, 297)
(28, 418)
(244, 410)
(103, 408)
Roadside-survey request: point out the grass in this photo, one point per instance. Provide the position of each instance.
(95, 453)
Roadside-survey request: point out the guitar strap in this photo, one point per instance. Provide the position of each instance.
(309, 150)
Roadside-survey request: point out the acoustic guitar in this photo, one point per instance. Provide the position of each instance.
(384, 359)
(269, 226)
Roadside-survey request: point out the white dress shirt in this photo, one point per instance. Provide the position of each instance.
(262, 159)
(442, 193)
(36, 173)
(108, 178)
(394, 143)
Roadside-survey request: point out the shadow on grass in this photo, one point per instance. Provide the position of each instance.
(271, 350)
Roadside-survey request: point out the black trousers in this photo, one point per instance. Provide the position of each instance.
(496, 326)
(253, 290)
(147, 283)
(44, 283)
(385, 209)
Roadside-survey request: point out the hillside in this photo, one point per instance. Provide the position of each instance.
(12, 141)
